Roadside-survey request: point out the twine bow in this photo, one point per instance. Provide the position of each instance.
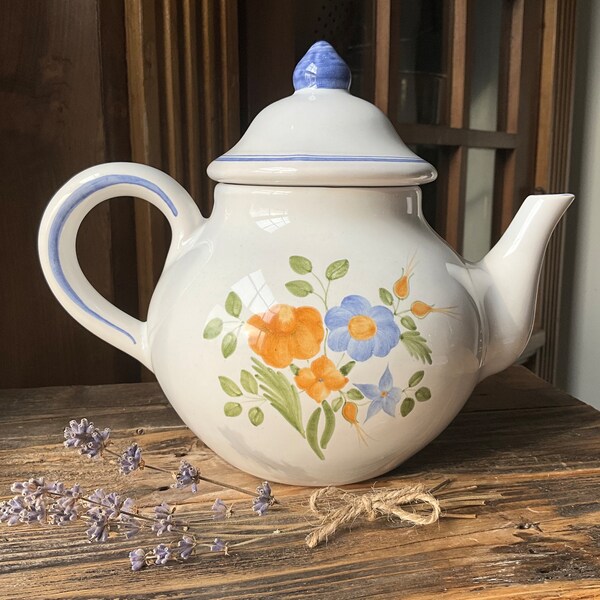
(338, 507)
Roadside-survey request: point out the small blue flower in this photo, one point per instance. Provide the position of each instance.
(383, 397)
(360, 329)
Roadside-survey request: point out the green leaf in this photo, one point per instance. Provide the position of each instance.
(406, 407)
(256, 416)
(337, 269)
(329, 424)
(423, 394)
(282, 395)
(386, 296)
(409, 323)
(312, 431)
(233, 304)
(337, 404)
(300, 265)
(345, 369)
(299, 288)
(294, 369)
(229, 386)
(213, 329)
(232, 409)
(416, 345)
(354, 394)
(228, 344)
(416, 378)
(248, 382)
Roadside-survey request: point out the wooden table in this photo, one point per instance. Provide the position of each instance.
(517, 436)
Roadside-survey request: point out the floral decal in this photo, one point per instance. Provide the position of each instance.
(361, 330)
(304, 356)
(284, 333)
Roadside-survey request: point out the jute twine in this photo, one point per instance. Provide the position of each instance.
(336, 507)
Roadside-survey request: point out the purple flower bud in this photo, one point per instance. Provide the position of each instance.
(87, 438)
(264, 500)
(221, 510)
(185, 547)
(162, 553)
(186, 475)
(219, 546)
(34, 487)
(163, 514)
(137, 559)
(131, 459)
(99, 527)
(64, 510)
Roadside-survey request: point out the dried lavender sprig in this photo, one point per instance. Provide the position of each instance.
(131, 459)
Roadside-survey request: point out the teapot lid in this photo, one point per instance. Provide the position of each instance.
(321, 135)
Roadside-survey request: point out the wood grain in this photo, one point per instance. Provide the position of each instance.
(58, 112)
(517, 435)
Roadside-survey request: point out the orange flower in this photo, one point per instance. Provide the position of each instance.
(284, 333)
(320, 379)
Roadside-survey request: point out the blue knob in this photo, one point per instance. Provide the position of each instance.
(322, 67)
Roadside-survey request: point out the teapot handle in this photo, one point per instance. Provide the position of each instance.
(58, 235)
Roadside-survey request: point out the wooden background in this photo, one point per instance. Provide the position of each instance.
(172, 83)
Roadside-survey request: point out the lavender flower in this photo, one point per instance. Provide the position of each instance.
(186, 475)
(163, 514)
(265, 499)
(12, 510)
(162, 553)
(33, 488)
(221, 510)
(58, 487)
(137, 559)
(129, 526)
(131, 459)
(219, 546)
(87, 438)
(64, 510)
(99, 527)
(109, 504)
(185, 547)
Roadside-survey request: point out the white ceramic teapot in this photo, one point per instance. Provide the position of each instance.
(314, 330)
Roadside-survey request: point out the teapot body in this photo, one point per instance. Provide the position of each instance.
(316, 336)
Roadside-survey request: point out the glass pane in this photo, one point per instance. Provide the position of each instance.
(487, 20)
(420, 81)
(479, 203)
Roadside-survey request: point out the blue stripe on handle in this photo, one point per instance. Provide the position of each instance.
(81, 194)
(316, 158)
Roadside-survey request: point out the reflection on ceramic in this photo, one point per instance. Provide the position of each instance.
(315, 330)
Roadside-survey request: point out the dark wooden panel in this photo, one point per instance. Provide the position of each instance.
(52, 125)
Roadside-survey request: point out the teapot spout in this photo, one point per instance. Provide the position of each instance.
(508, 278)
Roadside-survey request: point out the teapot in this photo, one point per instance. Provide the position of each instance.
(315, 330)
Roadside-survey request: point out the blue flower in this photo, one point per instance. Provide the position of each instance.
(384, 396)
(360, 329)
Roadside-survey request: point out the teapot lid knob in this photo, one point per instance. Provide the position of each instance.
(322, 67)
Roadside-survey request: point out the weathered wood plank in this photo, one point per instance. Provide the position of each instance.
(534, 447)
